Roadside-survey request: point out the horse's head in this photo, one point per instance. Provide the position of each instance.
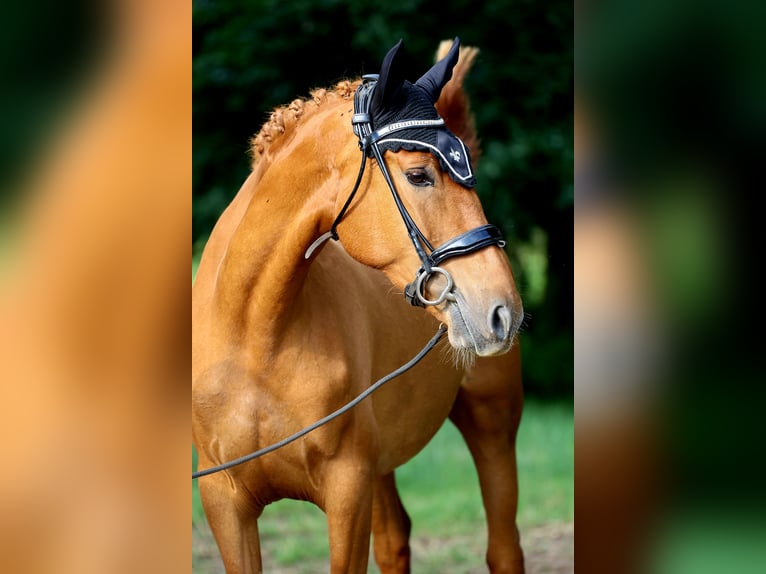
(416, 216)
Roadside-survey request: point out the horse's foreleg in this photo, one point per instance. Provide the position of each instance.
(348, 506)
(234, 524)
(390, 528)
(487, 412)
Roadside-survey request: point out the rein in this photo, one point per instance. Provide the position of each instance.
(345, 408)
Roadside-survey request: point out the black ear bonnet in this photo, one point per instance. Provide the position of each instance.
(397, 100)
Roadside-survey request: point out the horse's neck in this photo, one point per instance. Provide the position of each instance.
(262, 267)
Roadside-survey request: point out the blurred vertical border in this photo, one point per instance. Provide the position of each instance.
(95, 174)
(670, 121)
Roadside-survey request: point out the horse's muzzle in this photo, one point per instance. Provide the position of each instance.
(484, 333)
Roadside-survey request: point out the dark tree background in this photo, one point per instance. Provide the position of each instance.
(251, 56)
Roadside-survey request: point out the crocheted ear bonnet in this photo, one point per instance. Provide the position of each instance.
(397, 100)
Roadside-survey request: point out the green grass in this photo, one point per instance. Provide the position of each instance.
(198, 514)
(440, 490)
(440, 487)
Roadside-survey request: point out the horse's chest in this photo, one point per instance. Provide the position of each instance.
(409, 411)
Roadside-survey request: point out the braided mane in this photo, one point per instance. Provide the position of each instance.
(284, 118)
(453, 106)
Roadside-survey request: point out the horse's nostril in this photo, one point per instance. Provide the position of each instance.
(500, 322)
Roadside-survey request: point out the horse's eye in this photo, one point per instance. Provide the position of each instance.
(419, 178)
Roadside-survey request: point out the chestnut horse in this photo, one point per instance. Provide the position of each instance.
(282, 336)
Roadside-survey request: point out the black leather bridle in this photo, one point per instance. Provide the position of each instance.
(463, 244)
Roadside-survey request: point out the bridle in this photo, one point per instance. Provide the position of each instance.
(463, 244)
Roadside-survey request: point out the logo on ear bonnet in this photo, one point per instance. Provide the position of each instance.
(397, 101)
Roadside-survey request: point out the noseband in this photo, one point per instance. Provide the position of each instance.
(463, 244)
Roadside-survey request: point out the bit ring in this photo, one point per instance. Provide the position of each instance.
(446, 293)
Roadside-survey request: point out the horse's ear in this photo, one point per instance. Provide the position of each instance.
(434, 79)
(453, 104)
(390, 80)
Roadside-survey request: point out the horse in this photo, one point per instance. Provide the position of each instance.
(297, 308)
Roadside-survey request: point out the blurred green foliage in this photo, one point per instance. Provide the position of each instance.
(251, 56)
(47, 50)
